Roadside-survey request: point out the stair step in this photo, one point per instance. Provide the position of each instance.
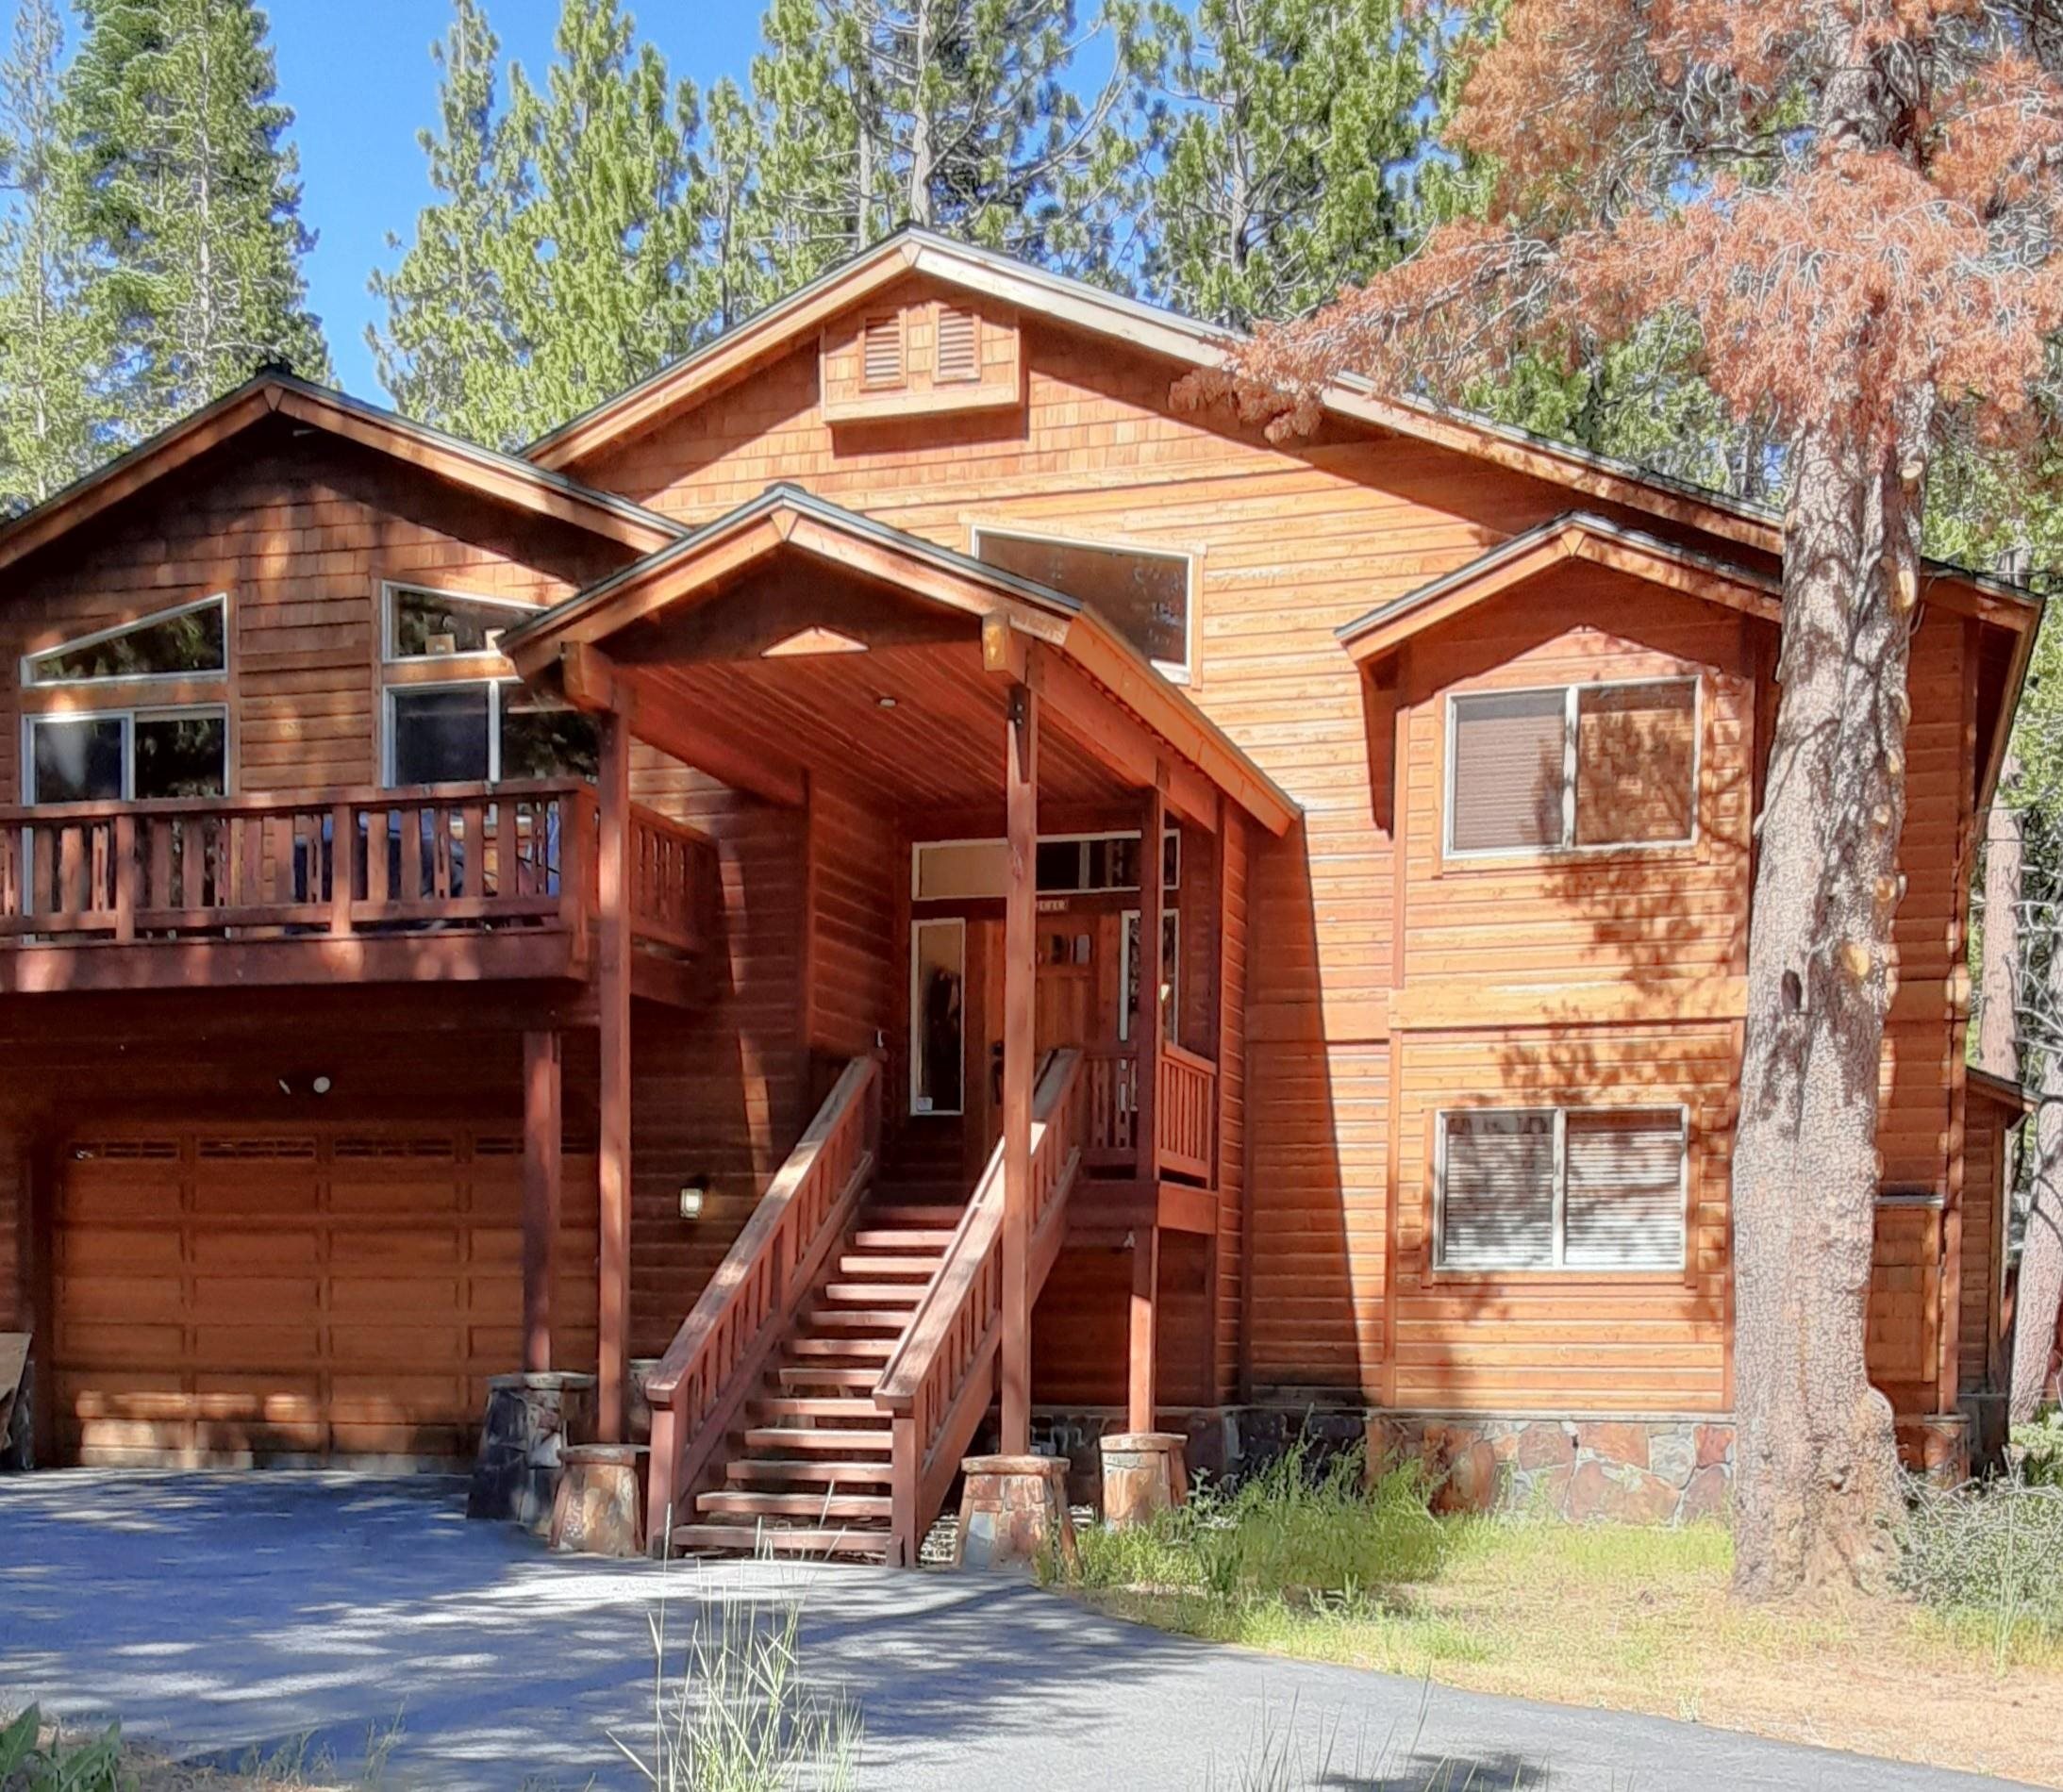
(880, 1263)
(857, 1319)
(871, 1349)
(875, 1293)
(836, 1473)
(828, 1375)
(933, 1215)
(903, 1238)
(737, 1503)
(801, 1441)
(746, 1540)
(814, 1406)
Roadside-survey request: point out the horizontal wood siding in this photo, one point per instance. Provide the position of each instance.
(1984, 1248)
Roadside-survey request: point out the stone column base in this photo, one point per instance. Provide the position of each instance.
(1143, 1472)
(1012, 1510)
(600, 1506)
(530, 1421)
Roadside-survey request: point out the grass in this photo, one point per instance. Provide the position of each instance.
(38, 1756)
(1310, 1564)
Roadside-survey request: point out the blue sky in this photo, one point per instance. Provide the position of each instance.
(359, 76)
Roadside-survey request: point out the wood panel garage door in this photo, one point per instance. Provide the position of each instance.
(239, 1296)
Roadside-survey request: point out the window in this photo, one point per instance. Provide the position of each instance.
(1066, 865)
(127, 756)
(881, 351)
(938, 1055)
(959, 354)
(1561, 1188)
(1145, 596)
(484, 731)
(1171, 973)
(1572, 767)
(188, 642)
(437, 625)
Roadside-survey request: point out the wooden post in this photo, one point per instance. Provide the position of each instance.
(542, 1181)
(1020, 971)
(612, 989)
(1138, 1402)
(1146, 1032)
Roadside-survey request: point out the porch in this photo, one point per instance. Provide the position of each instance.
(1015, 1058)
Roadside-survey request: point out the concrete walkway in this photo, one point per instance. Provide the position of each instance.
(214, 1612)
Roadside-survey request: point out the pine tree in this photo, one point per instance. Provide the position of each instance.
(953, 114)
(448, 345)
(49, 346)
(191, 197)
(1296, 154)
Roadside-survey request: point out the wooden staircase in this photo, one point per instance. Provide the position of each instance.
(819, 1398)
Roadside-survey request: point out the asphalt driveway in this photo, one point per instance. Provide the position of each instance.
(218, 1613)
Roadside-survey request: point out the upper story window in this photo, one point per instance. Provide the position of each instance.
(1146, 595)
(455, 713)
(188, 641)
(127, 755)
(1572, 767)
(1561, 1188)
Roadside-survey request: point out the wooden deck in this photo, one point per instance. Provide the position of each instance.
(450, 883)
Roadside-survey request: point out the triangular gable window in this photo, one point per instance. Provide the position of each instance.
(187, 643)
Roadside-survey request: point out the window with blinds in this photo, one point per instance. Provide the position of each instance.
(1572, 767)
(881, 351)
(1561, 1188)
(959, 350)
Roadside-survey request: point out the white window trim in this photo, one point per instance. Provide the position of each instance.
(958, 924)
(218, 600)
(1559, 1237)
(1571, 698)
(1191, 623)
(918, 847)
(392, 588)
(1170, 917)
(494, 686)
(128, 715)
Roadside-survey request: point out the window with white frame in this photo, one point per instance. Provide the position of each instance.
(1572, 767)
(126, 756)
(1561, 1188)
(1145, 594)
(1066, 865)
(1171, 974)
(455, 711)
(187, 641)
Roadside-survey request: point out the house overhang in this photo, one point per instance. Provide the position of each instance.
(500, 479)
(827, 580)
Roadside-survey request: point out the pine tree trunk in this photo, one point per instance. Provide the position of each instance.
(1998, 1049)
(2040, 1289)
(1816, 1478)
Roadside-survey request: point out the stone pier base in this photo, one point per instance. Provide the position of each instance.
(600, 1508)
(1012, 1510)
(1143, 1472)
(530, 1421)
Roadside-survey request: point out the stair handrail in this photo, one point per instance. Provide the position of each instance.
(935, 1387)
(750, 1303)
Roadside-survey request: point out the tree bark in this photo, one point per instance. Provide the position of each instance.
(1815, 1477)
(1998, 1017)
(2041, 1290)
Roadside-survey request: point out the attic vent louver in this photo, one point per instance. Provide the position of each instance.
(881, 351)
(959, 356)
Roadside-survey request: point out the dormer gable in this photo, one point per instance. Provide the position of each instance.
(918, 351)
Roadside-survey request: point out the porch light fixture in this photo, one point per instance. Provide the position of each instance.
(692, 1196)
(884, 703)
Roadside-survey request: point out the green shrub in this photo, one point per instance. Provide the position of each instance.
(1299, 1529)
(2038, 1449)
(27, 1763)
(1987, 1552)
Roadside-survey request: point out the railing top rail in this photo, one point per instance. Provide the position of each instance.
(845, 1103)
(280, 802)
(663, 823)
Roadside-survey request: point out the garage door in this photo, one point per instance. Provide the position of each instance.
(246, 1295)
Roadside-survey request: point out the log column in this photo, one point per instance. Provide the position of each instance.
(543, 1181)
(1019, 970)
(612, 990)
(1146, 1035)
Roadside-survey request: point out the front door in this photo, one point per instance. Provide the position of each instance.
(1074, 1005)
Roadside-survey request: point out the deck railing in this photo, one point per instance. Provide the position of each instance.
(937, 1383)
(334, 863)
(751, 1301)
(1185, 1111)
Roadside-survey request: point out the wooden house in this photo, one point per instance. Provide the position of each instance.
(909, 887)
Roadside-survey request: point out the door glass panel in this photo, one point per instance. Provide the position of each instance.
(937, 1017)
(77, 759)
(181, 756)
(441, 736)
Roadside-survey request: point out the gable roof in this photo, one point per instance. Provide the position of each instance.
(505, 478)
(786, 517)
(1148, 327)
